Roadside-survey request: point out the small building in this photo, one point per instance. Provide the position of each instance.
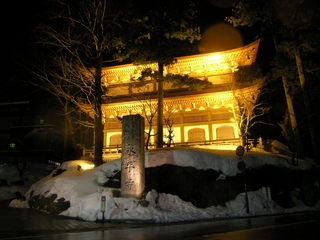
(26, 135)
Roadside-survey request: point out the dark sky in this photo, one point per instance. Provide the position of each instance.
(18, 19)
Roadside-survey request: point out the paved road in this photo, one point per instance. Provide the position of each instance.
(15, 223)
(32, 224)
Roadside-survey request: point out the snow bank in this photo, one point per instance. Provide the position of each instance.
(84, 189)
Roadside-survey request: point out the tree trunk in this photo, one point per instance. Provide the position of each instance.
(314, 134)
(285, 128)
(66, 130)
(65, 136)
(238, 118)
(98, 128)
(292, 116)
(159, 141)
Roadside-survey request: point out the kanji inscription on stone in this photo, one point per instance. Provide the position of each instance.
(132, 159)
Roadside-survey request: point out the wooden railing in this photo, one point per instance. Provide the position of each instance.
(111, 153)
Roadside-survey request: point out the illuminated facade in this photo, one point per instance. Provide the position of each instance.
(198, 117)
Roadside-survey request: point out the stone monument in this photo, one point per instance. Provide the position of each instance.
(132, 158)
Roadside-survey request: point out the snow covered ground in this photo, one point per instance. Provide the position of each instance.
(84, 188)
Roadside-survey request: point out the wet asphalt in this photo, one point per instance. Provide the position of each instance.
(33, 224)
(19, 223)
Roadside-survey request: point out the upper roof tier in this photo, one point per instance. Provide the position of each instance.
(208, 64)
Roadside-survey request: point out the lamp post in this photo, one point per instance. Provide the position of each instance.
(242, 167)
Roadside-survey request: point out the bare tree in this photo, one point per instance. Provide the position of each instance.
(294, 25)
(149, 108)
(247, 109)
(76, 40)
(168, 121)
(247, 112)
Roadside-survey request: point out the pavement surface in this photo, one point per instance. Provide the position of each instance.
(15, 223)
(26, 224)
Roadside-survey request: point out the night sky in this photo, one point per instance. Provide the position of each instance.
(18, 19)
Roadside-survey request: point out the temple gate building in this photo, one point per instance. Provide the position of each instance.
(195, 117)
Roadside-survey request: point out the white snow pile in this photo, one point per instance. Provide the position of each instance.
(84, 190)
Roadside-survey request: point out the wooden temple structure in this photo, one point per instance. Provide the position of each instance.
(196, 117)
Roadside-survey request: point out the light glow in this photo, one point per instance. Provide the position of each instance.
(86, 165)
(216, 58)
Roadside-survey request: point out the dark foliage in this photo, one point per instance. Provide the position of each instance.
(203, 188)
(49, 204)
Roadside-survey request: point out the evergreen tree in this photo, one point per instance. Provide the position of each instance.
(291, 23)
(157, 32)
